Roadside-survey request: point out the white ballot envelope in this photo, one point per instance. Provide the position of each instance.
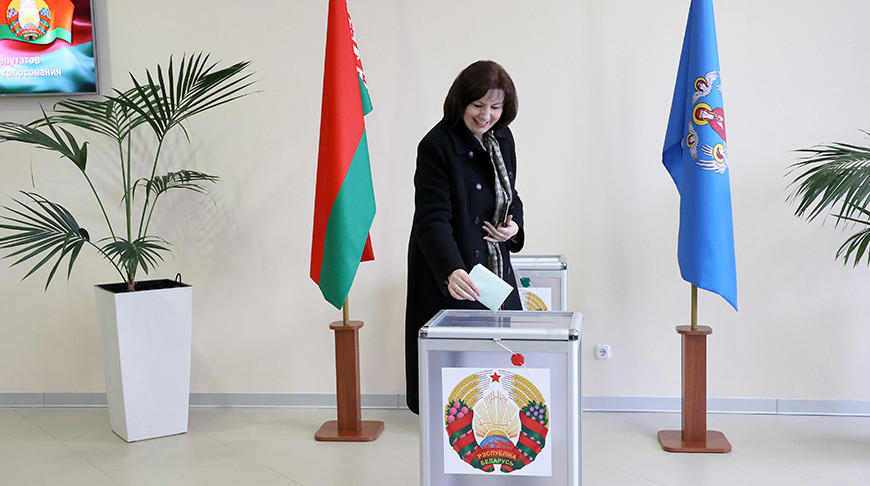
(493, 290)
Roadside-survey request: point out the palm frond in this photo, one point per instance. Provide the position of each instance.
(835, 175)
(141, 253)
(856, 244)
(60, 140)
(107, 117)
(219, 87)
(183, 179)
(44, 231)
(855, 247)
(193, 86)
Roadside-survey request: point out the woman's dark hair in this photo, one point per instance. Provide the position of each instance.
(472, 84)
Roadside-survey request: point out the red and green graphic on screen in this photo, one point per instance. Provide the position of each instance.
(46, 46)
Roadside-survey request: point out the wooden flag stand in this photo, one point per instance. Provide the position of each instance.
(349, 427)
(694, 437)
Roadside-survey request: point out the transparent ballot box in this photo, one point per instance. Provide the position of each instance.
(500, 398)
(542, 281)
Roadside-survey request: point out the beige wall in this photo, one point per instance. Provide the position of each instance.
(595, 80)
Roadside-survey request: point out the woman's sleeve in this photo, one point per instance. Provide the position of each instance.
(433, 210)
(516, 243)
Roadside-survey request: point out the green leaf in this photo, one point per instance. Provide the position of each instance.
(836, 176)
(193, 86)
(144, 253)
(833, 175)
(42, 230)
(855, 247)
(183, 179)
(63, 143)
(107, 117)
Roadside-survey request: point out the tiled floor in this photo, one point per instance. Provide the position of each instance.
(254, 447)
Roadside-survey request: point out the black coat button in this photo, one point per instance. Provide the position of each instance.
(478, 186)
(477, 220)
(476, 253)
(471, 154)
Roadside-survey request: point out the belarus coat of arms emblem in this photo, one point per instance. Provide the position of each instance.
(28, 19)
(496, 419)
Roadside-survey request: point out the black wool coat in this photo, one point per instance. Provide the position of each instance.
(454, 194)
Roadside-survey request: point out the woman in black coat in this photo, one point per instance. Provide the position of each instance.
(466, 208)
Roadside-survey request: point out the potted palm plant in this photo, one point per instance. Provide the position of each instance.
(836, 176)
(145, 325)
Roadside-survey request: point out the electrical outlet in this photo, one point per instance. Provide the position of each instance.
(602, 351)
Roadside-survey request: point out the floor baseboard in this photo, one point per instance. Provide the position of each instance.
(771, 406)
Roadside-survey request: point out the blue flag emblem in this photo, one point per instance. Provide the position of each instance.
(695, 154)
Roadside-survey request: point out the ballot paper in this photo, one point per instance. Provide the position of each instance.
(493, 290)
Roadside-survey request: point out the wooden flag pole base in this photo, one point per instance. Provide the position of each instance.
(694, 437)
(349, 427)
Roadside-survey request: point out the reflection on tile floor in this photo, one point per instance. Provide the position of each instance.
(262, 447)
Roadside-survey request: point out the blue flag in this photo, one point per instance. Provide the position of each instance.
(696, 155)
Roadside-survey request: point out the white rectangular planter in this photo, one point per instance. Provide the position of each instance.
(145, 339)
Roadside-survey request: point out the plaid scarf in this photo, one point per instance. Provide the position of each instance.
(503, 199)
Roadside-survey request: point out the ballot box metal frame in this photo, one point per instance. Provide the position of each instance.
(478, 339)
(544, 271)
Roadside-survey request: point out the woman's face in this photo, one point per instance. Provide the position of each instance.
(482, 114)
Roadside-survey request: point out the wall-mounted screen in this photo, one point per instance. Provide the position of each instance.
(47, 47)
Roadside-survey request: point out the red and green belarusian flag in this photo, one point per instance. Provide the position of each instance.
(344, 201)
